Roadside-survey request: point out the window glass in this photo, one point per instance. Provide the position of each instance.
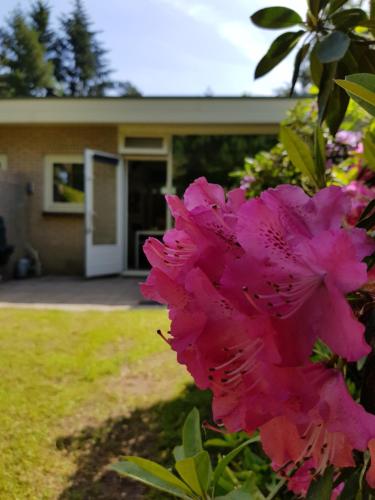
(68, 183)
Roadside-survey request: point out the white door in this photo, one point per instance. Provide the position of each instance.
(104, 213)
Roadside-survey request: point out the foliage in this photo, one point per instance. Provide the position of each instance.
(239, 473)
(80, 65)
(344, 162)
(38, 60)
(336, 38)
(212, 156)
(24, 69)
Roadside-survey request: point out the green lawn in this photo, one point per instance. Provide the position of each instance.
(78, 390)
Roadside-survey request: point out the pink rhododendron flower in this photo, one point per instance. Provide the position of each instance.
(370, 476)
(250, 286)
(204, 234)
(360, 195)
(298, 265)
(326, 434)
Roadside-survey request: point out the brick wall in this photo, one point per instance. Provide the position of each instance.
(14, 210)
(59, 238)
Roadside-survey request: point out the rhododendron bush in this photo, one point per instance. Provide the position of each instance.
(251, 286)
(271, 304)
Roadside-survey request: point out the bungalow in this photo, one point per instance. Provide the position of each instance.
(89, 174)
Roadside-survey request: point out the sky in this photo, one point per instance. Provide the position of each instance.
(182, 47)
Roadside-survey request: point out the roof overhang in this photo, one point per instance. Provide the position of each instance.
(216, 114)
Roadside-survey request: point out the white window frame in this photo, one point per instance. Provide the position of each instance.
(49, 204)
(143, 151)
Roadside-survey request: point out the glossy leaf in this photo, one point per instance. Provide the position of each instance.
(369, 150)
(276, 17)
(278, 50)
(316, 67)
(325, 89)
(372, 17)
(225, 461)
(365, 58)
(191, 434)
(351, 486)
(196, 471)
(178, 453)
(332, 47)
(336, 108)
(320, 155)
(153, 475)
(361, 88)
(335, 5)
(247, 491)
(316, 6)
(301, 54)
(321, 488)
(367, 219)
(299, 153)
(349, 18)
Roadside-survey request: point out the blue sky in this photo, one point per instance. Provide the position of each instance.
(183, 47)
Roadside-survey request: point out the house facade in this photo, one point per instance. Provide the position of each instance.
(93, 172)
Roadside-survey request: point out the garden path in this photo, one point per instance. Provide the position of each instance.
(72, 293)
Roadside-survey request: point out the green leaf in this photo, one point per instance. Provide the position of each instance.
(335, 5)
(349, 18)
(325, 89)
(369, 150)
(299, 153)
(191, 434)
(367, 219)
(316, 67)
(368, 210)
(223, 463)
(278, 50)
(276, 17)
(178, 452)
(332, 47)
(196, 471)
(316, 6)
(247, 491)
(152, 474)
(372, 16)
(336, 108)
(321, 488)
(218, 442)
(301, 54)
(361, 88)
(351, 486)
(320, 155)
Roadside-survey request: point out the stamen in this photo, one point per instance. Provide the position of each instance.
(160, 333)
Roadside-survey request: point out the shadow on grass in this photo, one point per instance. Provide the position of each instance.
(149, 433)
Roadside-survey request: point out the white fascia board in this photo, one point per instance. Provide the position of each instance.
(144, 111)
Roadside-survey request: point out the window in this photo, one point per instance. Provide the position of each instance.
(156, 145)
(64, 184)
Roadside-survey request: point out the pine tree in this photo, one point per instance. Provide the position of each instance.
(24, 70)
(40, 17)
(80, 65)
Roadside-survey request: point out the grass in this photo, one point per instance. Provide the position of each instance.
(78, 390)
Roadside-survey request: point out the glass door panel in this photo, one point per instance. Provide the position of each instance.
(146, 209)
(104, 213)
(105, 201)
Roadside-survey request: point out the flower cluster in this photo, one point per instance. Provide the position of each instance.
(344, 145)
(250, 287)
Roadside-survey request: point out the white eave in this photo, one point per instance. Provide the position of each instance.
(145, 111)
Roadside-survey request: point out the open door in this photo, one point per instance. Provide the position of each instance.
(104, 214)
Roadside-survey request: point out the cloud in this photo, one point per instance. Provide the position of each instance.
(250, 41)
